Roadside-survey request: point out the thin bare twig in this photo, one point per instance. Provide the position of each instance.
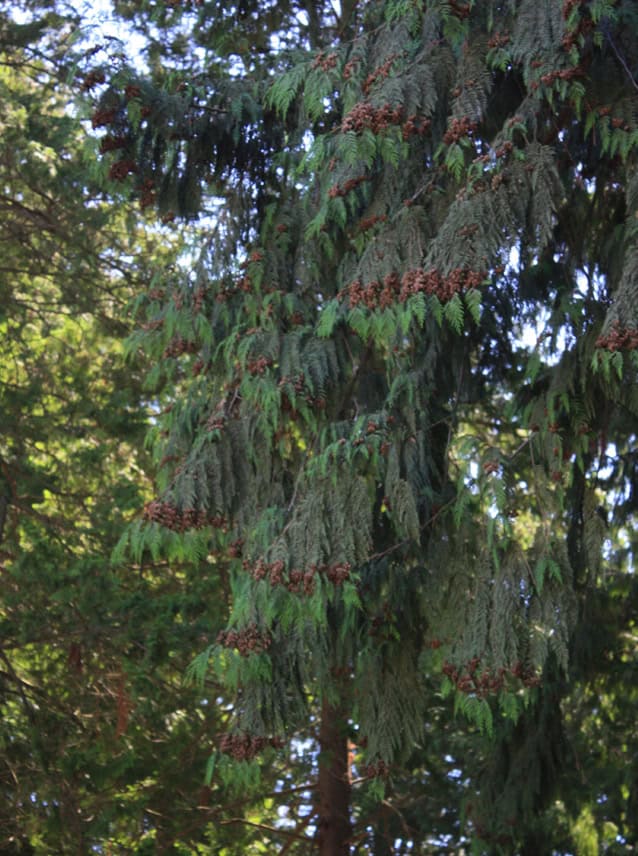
(619, 56)
(265, 828)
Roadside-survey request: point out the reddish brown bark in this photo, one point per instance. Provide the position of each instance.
(333, 828)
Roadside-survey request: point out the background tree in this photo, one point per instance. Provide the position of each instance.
(101, 745)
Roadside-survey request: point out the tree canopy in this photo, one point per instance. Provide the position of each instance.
(91, 656)
(387, 315)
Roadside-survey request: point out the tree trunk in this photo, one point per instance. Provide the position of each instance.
(333, 828)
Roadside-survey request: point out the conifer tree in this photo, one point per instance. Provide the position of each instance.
(91, 654)
(402, 372)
